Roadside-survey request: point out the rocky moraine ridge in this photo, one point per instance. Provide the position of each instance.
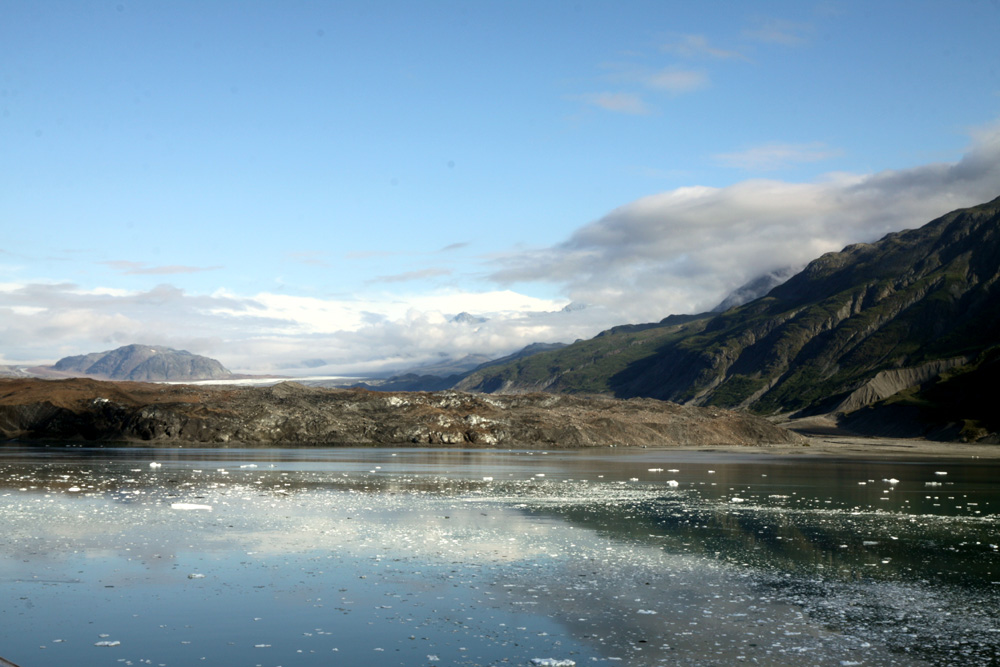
(291, 414)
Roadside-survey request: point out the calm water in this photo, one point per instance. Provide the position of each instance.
(453, 557)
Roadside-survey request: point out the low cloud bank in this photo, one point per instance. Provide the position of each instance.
(680, 251)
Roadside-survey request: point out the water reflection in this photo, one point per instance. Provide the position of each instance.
(403, 557)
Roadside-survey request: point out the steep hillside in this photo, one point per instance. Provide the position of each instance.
(143, 363)
(909, 307)
(585, 367)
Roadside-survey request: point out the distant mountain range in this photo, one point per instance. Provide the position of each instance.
(901, 336)
(142, 363)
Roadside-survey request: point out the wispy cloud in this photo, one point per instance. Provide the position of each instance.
(698, 46)
(778, 31)
(673, 79)
(143, 269)
(770, 157)
(455, 246)
(627, 103)
(409, 276)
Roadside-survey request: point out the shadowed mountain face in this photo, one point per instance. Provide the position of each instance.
(854, 328)
(144, 363)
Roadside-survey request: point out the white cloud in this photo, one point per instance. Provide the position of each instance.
(770, 157)
(264, 332)
(682, 251)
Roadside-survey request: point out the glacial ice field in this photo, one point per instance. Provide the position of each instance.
(262, 557)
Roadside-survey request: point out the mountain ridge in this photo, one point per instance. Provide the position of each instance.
(910, 300)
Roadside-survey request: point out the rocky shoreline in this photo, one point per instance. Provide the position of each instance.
(289, 414)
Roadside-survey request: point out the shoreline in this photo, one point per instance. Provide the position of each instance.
(860, 447)
(846, 447)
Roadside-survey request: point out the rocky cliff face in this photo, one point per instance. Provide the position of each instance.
(905, 308)
(144, 363)
(291, 414)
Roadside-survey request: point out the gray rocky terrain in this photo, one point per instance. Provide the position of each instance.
(292, 414)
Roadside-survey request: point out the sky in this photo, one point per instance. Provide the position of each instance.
(299, 187)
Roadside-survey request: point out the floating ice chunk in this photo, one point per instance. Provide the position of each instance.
(655, 470)
(736, 499)
(196, 575)
(262, 646)
(673, 470)
(433, 658)
(74, 489)
(553, 662)
(891, 480)
(249, 465)
(190, 506)
(107, 642)
(648, 612)
(154, 464)
(673, 483)
(940, 473)
(711, 472)
(487, 479)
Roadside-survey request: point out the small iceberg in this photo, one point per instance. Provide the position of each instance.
(154, 464)
(553, 662)
(190, 506)
(105, 642)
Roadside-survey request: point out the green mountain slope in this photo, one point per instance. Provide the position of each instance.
(851, 329)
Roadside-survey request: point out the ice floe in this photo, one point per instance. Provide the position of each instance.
(190, 506)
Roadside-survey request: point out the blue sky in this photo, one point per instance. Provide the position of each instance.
(266, 182)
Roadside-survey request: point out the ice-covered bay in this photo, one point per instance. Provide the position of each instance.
(452, 557)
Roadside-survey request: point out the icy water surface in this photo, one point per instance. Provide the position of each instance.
(454, 557)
